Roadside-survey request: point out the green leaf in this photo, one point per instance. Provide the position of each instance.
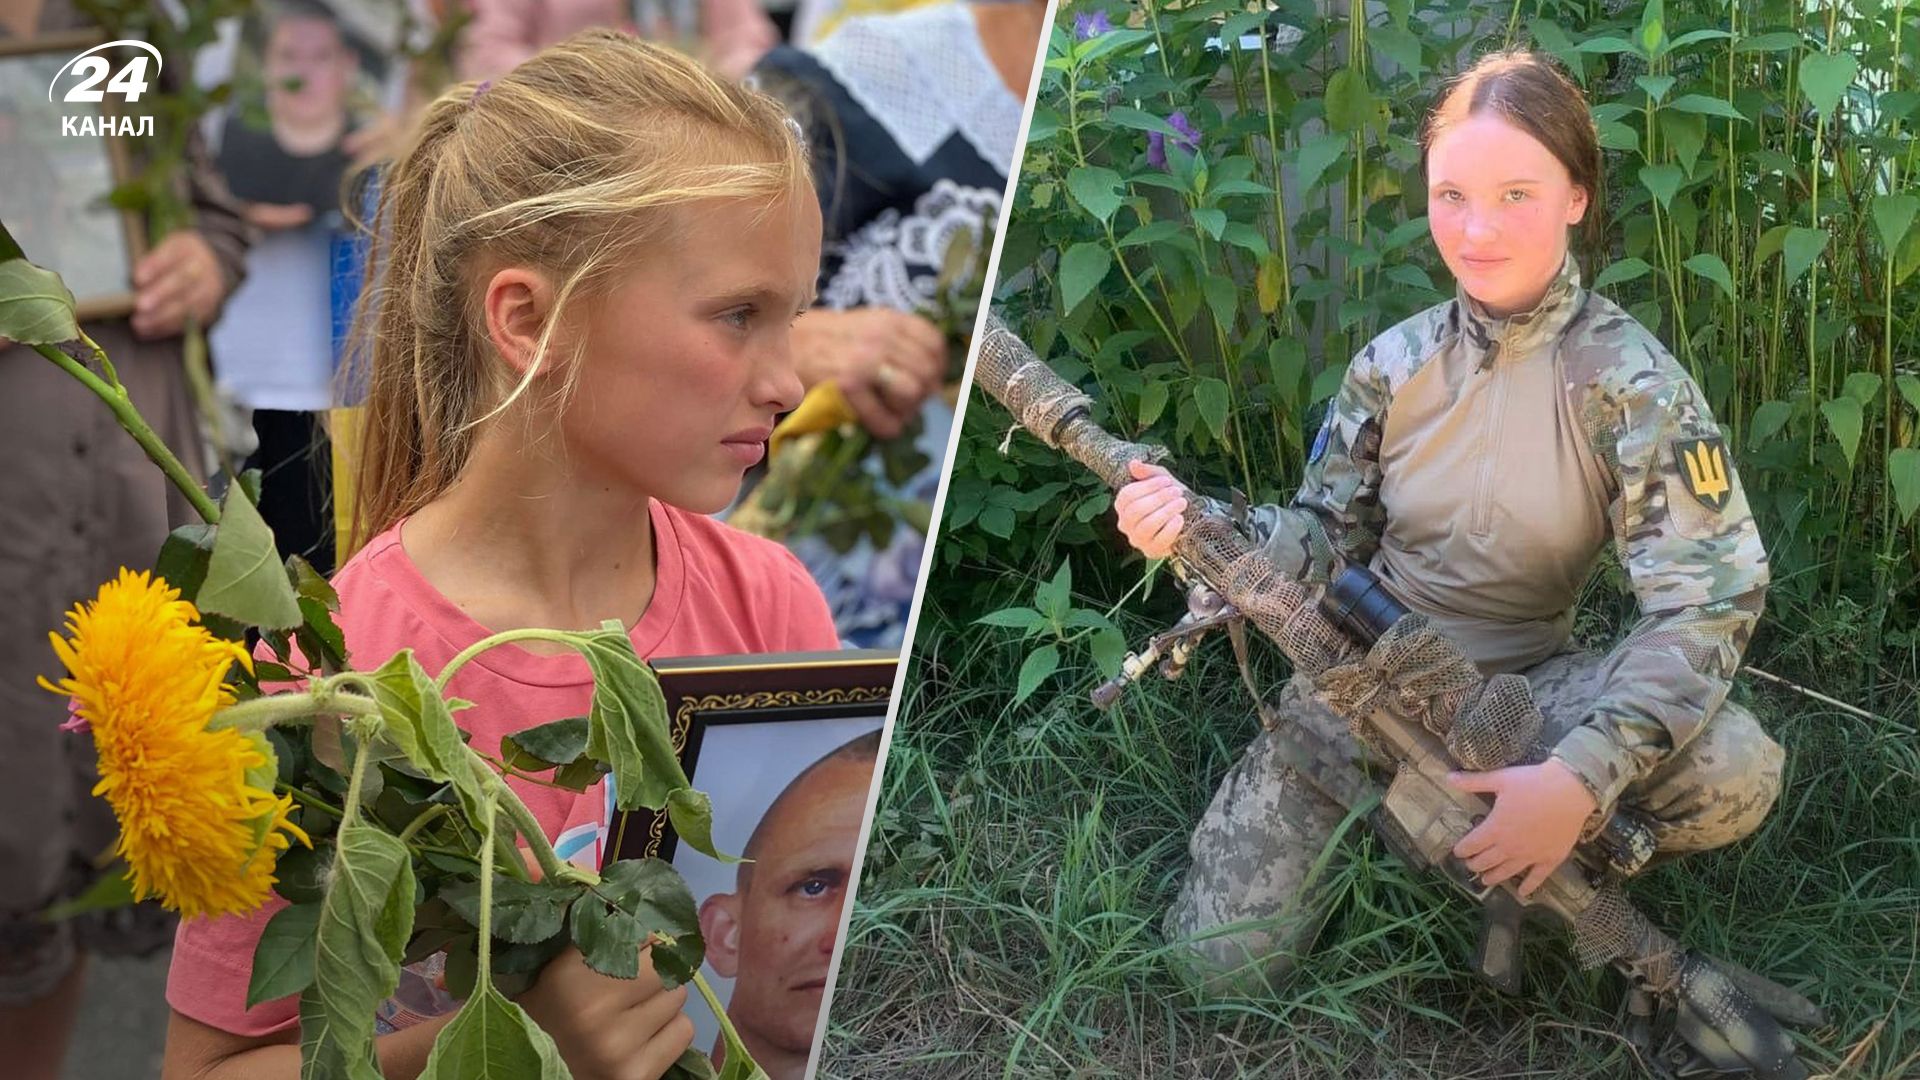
(1211, 398)
(524, 912)
(1017, 618)
(1287, 361)
(1845, 419)
(1656, 86)
(1705, 106)
(1903, 472)
(627, 726)
(184, 558)
(739, 1060)
(420, 723)
(693, 1065)
(112, 889)
(1777, 41)
(1768, 419)
(1349, 101)
(1315, 155)
(691, 812)
(1622, 271)
(492, 1038)
(1801, 247)
(1109, 648)
(1825, 76)
(283, 960)
(1141, 121)
(1153, 402)
(1862, 386)
(1055, 596)
(364, 925)
(245, 579)
(1094, 188)
(554, 743)
(1694, 37)
(1893, 216)
(1039, 664)
(1082, 269)
(1151, 232)
(1909, 387)
(1223, 299)
(636, 898)
(35, 306)
(1711, 267)
(1211, 221)
(1399, 46)
(1652, 35)
(1608, 45)
(1662, 180)
(1327, 383)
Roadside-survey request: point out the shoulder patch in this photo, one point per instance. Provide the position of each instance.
(1703, 470)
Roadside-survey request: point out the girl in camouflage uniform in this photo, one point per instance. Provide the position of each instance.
(1477, 457)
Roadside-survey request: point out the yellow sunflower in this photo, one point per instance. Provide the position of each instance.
(199, 823)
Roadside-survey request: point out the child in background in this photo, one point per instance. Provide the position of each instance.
(576, 347)
(273, 352)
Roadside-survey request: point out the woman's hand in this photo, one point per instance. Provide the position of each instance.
(1538, 812)
(607, 1028)
(1150, 509)
(886, 362)
(180, 277)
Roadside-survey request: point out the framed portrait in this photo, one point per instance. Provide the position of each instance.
(787, 747)
(54, 185)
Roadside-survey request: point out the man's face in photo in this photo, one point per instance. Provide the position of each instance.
(775, 935)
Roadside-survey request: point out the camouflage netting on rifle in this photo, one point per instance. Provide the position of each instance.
(1487, 724)
(1279, 607)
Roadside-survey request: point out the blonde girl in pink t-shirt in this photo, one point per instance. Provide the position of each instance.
(577, 345)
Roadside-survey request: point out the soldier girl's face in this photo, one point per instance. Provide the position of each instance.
(1499, 205)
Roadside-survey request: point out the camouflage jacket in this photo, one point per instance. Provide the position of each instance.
(1479, 465)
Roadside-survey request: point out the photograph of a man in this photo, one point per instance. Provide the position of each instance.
(774, 934)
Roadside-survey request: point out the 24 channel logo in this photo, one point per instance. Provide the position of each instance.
(84, 75)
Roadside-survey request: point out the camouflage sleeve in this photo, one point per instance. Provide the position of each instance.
(1684, 532)
(1337, 509)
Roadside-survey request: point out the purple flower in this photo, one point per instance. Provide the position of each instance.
(1090, 25)
(1189, 141)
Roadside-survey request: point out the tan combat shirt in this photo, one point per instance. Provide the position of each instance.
(1478, 465)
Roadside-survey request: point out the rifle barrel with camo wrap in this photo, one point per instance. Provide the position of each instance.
(1415, 699)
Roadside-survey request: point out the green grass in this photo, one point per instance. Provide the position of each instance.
(1008, 920)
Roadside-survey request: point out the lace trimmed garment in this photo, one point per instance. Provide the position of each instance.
(912, 133)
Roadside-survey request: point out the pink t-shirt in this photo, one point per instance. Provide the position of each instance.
(718, 591)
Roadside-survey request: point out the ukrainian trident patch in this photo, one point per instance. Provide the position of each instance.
(1703, 470)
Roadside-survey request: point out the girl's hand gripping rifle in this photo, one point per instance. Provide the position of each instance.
(1414, 699)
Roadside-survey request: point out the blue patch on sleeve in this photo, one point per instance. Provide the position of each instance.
(1320, 441)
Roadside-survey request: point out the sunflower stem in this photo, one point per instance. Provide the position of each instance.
(352, 812)
(115, 395)
(425, 818)
(486, 893)
(504, 637)
(552, 866)
(730, 1036)
(261, 713)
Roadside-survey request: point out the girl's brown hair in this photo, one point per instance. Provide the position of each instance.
(570, 165)
(1532, 92)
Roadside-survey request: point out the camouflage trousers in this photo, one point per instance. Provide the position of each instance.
(1251, 903)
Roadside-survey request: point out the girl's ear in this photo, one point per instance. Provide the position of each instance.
(1577, 206)
(517, 305)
